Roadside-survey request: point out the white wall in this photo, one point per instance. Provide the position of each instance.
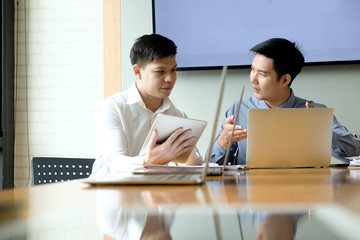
(60, 80)
(195, 93)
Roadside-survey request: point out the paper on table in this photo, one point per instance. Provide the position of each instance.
(354, 161)
(353, 158)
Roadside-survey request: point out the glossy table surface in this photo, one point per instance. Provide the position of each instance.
(321, 203)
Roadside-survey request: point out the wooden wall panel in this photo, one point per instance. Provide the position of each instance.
(112, 47)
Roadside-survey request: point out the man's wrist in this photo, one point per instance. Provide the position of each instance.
(221, 143)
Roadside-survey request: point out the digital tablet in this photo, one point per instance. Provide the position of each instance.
(165, 125)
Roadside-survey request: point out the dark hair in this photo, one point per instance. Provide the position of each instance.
(286, 56)
(148, 48)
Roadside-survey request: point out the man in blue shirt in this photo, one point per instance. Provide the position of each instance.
(276, 63)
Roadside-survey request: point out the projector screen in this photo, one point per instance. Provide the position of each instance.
(213, 33)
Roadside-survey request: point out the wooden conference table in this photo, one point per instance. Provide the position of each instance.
(321, 203)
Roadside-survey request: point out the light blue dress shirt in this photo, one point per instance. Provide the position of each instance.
(343, 142)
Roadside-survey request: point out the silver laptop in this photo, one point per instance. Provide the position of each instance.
(146, 179)
(213, 170)
(288, 138)
(226, 160)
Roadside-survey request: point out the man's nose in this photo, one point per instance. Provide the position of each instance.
(253, 78)
(170, 78)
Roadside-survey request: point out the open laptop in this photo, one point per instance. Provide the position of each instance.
(226, 160)
(152, 179)
(289, 138)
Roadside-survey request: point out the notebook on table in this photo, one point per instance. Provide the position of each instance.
(289, 138)
(152, 179)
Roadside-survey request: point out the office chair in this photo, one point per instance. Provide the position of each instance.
(54, 169)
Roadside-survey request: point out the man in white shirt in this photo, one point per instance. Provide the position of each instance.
(124, 119)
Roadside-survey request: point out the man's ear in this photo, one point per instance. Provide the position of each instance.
(286, 79)
(136, 70)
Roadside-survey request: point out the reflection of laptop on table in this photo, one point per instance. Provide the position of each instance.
(142, 179)
(288, 138)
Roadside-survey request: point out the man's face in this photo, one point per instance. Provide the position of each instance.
(264, 79)
(157, 78)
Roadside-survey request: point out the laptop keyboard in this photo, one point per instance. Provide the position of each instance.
(172, 176)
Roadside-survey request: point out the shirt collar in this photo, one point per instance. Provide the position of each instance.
(135, 97)
(164, 106)
(290, 102)
(287, 104)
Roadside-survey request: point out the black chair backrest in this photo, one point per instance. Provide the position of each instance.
(55, 169)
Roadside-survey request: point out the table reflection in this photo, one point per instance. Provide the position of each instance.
(121, 222)
(346, 176)
(255, 204)
(270, 225)
(261, 204)
(163, 221)
(295, 188)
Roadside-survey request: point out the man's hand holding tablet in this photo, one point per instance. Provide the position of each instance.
(175, 145)
(171, 139)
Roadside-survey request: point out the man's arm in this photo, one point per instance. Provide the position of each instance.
(344, 144)
(239, 133)
(223, 138)
(113, 153)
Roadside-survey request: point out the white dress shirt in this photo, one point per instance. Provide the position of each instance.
(126, 222)
(122, 123)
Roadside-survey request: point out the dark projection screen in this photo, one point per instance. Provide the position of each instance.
(212, 33)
